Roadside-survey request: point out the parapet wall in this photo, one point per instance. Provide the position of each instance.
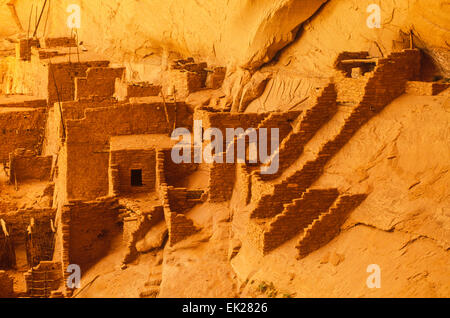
(99, 82)
(309, 122)
(65, 74)
(29, 167)
(185, 77)
(75, 109)
(21, 129)
(60, 42)
(125, 90)
(223, 120)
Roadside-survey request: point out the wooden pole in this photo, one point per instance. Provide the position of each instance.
(40, 17)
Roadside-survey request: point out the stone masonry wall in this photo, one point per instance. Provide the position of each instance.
(222, 177)
(125, 160)
(21, 129)
(27, 167)
(6, 285)
(65, 75)
(387, 83)
(91, 226)
(88, 142)
(99, 82)
(19, 220)
(328, 225)
(309, 123)
(43, 279)
(297, 216)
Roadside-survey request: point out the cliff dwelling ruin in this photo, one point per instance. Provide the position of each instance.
(88, 180)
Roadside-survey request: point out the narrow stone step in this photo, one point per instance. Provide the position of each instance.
(150, 292)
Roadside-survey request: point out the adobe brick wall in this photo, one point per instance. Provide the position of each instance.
(184, 82)
(125, 160)
(223, 120)
(6, 285)
(21, 129)
(182, 200)
(179, 226)
(186, 76)
(29, 167)
(99, 82)
(328, 225)
(350, 90)
(284, 121)
(161, 183)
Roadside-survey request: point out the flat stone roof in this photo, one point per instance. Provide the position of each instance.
(4, 110)
(65, 54)
(21, 101)
(141, 142)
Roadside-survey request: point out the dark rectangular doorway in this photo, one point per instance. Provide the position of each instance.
(136, 177)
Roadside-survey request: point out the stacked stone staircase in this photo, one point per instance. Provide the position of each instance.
(152, 285)
(308, 123)
(281, 205)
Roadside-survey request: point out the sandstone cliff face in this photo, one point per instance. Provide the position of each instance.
(341, 26)
(244, 33)
(278, 52)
